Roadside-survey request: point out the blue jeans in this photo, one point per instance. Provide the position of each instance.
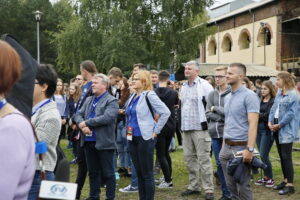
(216, 147)
(100, 167)
(264, 141)
(134, 178)
(142, 152)
(122, 145)
(36, 184)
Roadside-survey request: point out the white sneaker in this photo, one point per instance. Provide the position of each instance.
(129, 189)
(165, 185)
(160, 179)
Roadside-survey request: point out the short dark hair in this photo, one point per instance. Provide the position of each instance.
(89, 66)
(163, 76)
(141, 66)
(47, 75)
(115, 72)
(241, 66)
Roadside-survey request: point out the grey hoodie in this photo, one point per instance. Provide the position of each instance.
(216, 118)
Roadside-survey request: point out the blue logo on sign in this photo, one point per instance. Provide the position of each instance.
(58, 189)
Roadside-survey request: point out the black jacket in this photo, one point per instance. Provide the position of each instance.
(170, 98)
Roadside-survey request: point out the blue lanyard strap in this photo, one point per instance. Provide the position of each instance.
(3, 102)
(41, 106)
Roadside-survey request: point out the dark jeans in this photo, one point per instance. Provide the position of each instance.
(178, 134)
(163, 156)
(142, 152)
(264, 141)
(100, 163)
(285, 154)
(82, 169)
(216, 148)
(36, 184)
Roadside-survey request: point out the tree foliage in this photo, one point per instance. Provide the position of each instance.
(110, 32)
(123, 32)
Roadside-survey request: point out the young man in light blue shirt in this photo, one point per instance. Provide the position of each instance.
(241, 119)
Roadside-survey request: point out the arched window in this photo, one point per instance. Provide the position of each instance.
(244, 39)
(212, 47)
(227, 43)
(264, 36)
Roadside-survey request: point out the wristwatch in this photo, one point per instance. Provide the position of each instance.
(250, 149)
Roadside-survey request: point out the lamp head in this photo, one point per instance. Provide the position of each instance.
(38, 15)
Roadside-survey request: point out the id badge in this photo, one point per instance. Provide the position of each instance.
(129, 133)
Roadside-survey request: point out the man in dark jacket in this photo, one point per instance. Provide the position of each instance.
(215, 116)
(170, 98)
(87, 69)
(97, 121)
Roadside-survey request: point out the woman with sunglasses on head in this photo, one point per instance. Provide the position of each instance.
(17, 147)
(142, 130)
(264, 139)
(284, 122)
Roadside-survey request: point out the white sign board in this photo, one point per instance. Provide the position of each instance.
(58, 190)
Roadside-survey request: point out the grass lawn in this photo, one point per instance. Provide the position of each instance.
(180, 180)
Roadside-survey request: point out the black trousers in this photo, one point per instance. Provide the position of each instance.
(178, 134)
(101, 168)
(285, 154)
(163, 156)
(82, 169)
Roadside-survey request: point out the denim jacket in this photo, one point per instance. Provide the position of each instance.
(147, 124)
(288, 118)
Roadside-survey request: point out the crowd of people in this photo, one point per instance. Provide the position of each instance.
(115, 125)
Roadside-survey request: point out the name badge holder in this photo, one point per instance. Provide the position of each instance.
(129, 133)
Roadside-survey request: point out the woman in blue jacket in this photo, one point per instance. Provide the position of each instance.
(284, 122)
(142, 130)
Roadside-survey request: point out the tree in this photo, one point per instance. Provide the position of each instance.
(123, 32)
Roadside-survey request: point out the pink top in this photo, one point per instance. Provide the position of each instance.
(17, 157)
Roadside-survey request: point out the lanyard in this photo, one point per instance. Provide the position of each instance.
(3, 102)
(95, 102)
(45, 103)
(130, 108)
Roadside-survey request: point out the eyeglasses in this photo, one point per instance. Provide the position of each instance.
(220, 77)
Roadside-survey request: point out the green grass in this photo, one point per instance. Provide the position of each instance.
(180, 180)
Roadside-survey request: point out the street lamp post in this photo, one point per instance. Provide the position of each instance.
(38, 16)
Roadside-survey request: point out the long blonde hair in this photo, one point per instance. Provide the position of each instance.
(145, 79)
(288, 80)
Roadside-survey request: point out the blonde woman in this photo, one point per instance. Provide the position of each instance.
(284, 122)
(142, 130)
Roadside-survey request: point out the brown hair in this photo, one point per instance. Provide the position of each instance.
(10, 67)
(141, 66)
(62, 92)
(115, 72)
(271, 87)
(241, 66)
(125, 92)
(288, 80)
(222, 68)
(77, 93)
(153, 72)
(210, 78)
(247, 81)
(89, 66)
(145, 79)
